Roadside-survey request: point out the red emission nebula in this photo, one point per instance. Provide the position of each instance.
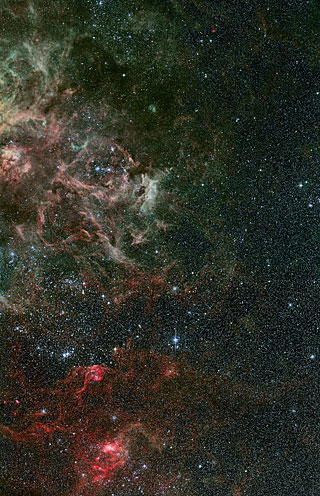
(107, 430)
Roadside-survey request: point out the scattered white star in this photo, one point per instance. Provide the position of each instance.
(175, 340)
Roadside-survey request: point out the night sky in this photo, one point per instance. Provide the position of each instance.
(159, 248)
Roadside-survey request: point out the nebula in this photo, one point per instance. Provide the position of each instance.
(158, 248)
(103, 428)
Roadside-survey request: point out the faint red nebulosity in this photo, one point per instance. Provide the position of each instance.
(98, 425)
(171, 370)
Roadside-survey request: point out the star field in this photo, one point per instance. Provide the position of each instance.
(159, 248)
